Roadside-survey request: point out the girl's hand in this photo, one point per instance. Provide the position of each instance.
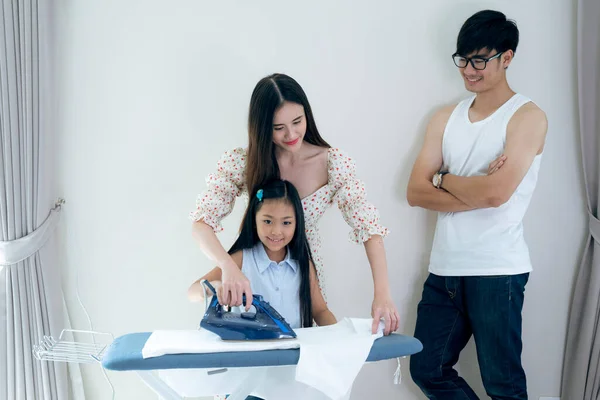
(234, 286)
(383, 307)
(218, 288)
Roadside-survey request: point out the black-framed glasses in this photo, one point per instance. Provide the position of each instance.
(478, 62)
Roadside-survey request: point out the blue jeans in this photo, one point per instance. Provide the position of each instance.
(452, 309)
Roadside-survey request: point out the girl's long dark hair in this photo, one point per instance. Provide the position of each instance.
(268, 95)
(277, 189)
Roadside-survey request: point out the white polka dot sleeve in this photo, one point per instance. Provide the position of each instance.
(223, 187)
(351, 198)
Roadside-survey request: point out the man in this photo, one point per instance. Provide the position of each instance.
(478, 168)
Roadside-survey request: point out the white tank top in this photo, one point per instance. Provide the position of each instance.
(485, 241)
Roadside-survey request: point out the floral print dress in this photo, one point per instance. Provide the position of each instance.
(343, 188)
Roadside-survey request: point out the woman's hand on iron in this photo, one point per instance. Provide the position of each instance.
(234, 286)
(383, 309)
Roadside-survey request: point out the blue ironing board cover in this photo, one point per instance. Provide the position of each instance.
(125, 354)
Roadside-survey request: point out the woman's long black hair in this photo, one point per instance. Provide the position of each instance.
(267, 97)
(277, 189)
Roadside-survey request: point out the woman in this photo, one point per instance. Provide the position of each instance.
(284, 143)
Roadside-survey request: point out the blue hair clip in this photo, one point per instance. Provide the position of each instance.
(259, 194)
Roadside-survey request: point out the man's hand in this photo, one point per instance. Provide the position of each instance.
(525, 138)
(420, 191)
(496, 164)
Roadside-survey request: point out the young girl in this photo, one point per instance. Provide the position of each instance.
(272, 251)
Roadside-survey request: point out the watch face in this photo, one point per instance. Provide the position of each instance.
(436, 179)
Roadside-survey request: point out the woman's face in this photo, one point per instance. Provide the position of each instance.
(289, 126)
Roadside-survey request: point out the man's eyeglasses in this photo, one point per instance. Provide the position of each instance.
(478, 62)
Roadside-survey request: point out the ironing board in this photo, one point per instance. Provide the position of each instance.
(125, 354)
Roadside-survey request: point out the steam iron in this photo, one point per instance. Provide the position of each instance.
(263, 324)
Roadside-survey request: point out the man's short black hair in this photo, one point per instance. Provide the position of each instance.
(487, 29)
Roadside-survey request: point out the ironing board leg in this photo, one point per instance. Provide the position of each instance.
(164, 391)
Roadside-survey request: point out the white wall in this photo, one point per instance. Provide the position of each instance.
(152, 92)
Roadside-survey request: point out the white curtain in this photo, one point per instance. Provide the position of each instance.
(31, 299)
(581, 370)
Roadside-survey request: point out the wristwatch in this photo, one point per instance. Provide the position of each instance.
(437, 178)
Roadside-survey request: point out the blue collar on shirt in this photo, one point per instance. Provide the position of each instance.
(263, 261)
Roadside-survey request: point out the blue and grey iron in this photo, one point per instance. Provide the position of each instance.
(263, 324)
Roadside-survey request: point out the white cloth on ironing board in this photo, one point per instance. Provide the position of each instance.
(330, 359)
(331, 356)
(200, 340)
(269, 383)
